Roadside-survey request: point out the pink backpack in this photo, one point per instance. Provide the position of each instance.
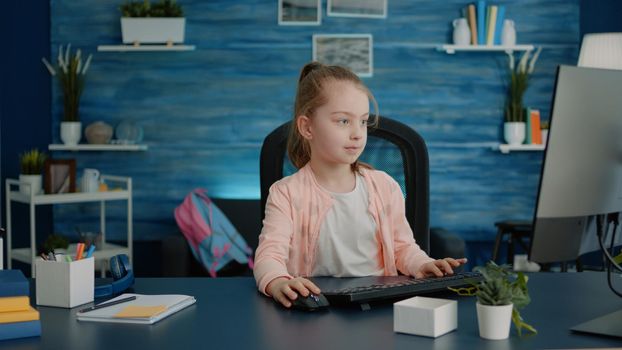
(214, 241)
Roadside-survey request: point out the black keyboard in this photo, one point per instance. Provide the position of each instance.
(361, 290)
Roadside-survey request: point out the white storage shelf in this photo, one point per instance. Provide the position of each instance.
(102, 147)
(505, 148)
(102, 254)
(134, 48)
(451, 49)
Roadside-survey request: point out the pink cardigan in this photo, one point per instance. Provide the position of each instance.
(295, 210)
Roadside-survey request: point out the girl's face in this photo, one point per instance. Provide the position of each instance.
(337, 131)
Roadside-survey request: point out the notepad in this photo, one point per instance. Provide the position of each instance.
(145, 309)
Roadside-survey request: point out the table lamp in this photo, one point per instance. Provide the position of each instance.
(601, 50)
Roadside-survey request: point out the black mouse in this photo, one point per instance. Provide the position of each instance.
(310, 303)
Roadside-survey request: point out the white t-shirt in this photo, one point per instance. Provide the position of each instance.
(347, 244)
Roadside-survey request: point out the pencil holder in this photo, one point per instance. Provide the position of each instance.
(65, 284)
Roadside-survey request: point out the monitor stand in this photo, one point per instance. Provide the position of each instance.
(609, 325)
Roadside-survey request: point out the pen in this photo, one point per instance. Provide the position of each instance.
(89, 253)
(106, 304)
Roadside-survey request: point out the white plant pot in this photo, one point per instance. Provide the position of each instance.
(545, 135)
(514, 132)
(33, 180)
(70, 133)
(153, 30)
(494, 321)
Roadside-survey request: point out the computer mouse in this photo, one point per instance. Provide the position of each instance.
(310, 303)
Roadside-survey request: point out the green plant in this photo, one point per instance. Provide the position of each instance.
(518, 82)
(55, 241)
(31, 162)
(71, 72)
(501, 286)
(544, 125)
(163, 8)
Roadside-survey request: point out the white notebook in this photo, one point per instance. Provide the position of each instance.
(171, 302)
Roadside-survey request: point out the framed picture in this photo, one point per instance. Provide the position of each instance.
(354, 51)
(300, 12)
(60, 176)
(357, 8)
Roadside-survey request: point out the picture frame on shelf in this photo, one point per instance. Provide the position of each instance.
(60, 176)
(299, 12)
(357, 8)
(354, 51)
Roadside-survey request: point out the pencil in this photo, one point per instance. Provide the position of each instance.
(106, 304)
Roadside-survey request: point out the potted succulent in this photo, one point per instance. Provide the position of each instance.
(514, 116)
(71, 73)
(500, 296)
(544, 128)
(31, 165)
(146, 23)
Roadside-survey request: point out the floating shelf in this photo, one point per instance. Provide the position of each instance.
(451, 49)
(505, 148)
(128, 48)
(103, 147)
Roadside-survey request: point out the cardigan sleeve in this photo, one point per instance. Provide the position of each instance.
(274, 241)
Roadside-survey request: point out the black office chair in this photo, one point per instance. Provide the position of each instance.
(392, 147)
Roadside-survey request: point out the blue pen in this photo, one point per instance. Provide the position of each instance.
(89, 253)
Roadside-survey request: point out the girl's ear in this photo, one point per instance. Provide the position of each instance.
(303, 123)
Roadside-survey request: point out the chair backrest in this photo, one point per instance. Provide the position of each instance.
(393, 147)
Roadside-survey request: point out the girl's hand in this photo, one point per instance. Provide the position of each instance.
(439, 268)
(285, 290)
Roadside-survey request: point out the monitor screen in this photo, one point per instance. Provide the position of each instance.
(582, 168)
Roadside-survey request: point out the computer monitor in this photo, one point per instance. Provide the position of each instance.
(582, 168)
(581, 172)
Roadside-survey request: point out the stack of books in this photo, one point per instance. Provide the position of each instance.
(17, 318)
(485, 22)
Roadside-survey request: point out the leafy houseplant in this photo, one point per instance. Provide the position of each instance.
(164, 8)
(31, 165)
(55, 241)
(504, 287)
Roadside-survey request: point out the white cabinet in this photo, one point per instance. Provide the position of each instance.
(102, 254)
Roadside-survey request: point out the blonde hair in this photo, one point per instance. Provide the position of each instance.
(309, 96)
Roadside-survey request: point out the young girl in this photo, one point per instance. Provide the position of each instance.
(335, 216)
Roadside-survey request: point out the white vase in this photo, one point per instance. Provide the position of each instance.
(70, 133)
(33, 180)
(494, 321)
(508, 33)
(514, 133)
(462, 34)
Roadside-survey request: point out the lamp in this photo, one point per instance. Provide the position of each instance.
(602, 50)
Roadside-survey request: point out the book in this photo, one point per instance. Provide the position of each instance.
(472, 23)
(19, 316)
(481, 22)
(10, 304)
(499, 26)
(13, 283)
(145, 309)
(492, 22)
(536, 133)
(20, 330)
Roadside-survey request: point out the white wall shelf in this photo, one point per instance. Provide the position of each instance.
(101, 254)
(102, 147)
(451, 49)
(505, 148)
(134, 48)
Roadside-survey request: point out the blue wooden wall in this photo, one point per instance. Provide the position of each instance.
(206, 112)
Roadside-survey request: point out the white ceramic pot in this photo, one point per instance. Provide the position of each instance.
(514, 132)
(545, 135)
(70, 133)
(33, 180)
(462, 33)
(494, 321)
(153, 30)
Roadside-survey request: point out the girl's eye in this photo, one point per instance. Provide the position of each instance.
(364, 122)
(343, 121)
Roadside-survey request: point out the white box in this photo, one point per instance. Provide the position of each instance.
(430, 317)
(65, 284)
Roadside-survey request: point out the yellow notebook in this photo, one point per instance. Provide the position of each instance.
(10, 304)
(19, 316)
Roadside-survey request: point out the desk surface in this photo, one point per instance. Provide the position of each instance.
(231, 314)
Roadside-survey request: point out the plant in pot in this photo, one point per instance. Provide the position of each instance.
(55, 243)
(31, 165)
(146, 23)
(71, 73)
(544, 128)
(518, 81)
(500, 297)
